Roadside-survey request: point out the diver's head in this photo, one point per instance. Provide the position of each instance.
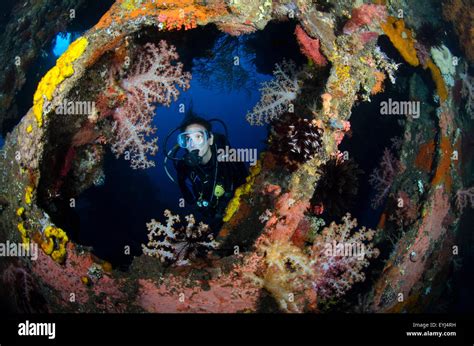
(196, 137)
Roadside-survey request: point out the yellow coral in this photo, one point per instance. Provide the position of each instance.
(25, 241)
(20, 211)
(59, 255)
(234, 203)
(343, 71)
(57, 249)
(21, 229)
(232, 208)
(107, 267)
(29, 129)
(342, 80)
(288, 272)
(130, 5)
(24, 236)
(48, 246)
(28, 194)
(402, 39)
(85, 280)
(56, 76)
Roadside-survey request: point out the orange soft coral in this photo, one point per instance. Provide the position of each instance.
(173, 14)
(402, 39)
(378, 86)
(443, 171)
(438, 79)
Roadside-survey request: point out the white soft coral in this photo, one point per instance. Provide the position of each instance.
(175, 242)
(277, 95)
(467, 89)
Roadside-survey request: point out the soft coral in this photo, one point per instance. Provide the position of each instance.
(153, 79)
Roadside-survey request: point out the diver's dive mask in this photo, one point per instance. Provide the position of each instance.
(193, 140)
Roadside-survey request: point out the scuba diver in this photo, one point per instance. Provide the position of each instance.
(206, 182)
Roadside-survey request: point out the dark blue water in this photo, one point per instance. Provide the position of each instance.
(210, 101)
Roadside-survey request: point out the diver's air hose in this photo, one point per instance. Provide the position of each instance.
(165, 161)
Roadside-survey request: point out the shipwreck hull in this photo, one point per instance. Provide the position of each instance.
(36, 153)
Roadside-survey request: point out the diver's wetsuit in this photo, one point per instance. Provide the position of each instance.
(229, 175)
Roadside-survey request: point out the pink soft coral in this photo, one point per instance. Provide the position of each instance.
(366, 14)
(310, 46)
(153, 79)
(382, 178)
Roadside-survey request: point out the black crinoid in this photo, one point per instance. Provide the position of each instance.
(295, 140)
(430, 35)
(337, 188)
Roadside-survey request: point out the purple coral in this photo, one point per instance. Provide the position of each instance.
(465, 197)
(467, 89)
(338, 257)
(382, 178)
(23, 289)
(277, 95)
(174, 243)
(153, 79)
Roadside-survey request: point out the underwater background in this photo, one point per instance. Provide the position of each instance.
(113, 213)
